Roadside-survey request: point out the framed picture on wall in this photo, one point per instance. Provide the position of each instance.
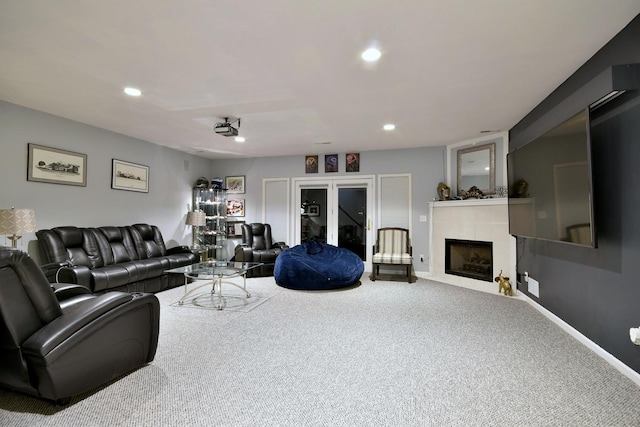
(55, 166)
(234, 228)
(353, 162)
(311, 164)
(331, 163)
(234, 184)
(235, 207)
(129, 176)
(313, 210)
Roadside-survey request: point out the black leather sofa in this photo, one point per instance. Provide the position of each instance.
(129, 258)
(55, 349)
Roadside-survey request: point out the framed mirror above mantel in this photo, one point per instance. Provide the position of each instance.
(476, 167)
(466, 163)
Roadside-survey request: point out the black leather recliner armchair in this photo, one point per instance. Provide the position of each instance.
(55, 350)
(258, 246)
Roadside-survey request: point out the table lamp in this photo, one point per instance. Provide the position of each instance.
(197, 219)
(15, 222)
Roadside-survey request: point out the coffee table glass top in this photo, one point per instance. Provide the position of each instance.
(211, 269)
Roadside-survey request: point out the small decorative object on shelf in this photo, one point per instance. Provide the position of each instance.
(444, 192)
(504, 285)
(474, 192)
(202, 182)
(520, 189)
(502, 191)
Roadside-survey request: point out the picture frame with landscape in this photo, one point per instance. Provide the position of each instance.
(129, 176)
(56, 166)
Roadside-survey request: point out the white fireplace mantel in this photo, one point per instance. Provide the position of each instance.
(471, 202)
(472, 219)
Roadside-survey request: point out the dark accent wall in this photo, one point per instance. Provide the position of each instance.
(595, 290)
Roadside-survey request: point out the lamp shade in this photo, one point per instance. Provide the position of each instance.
(17, 221)
(197, 218)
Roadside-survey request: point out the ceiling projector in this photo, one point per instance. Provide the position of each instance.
(226, 128)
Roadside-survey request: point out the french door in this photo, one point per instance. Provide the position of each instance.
(336, 211)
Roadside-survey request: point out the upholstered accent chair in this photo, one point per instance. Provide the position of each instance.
(57, 345)
(258, 246)
(392, 248)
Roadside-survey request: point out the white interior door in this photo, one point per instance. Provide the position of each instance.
(275, 208)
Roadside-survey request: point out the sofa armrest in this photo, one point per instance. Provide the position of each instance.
(61, 329)
(243, 253)
(51, 269)
(281, 245)
(79, 274)
(178, 250)
(65, 291)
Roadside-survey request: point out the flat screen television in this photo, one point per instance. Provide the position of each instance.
(550, 185)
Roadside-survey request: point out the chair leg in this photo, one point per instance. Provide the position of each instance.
(373, 276)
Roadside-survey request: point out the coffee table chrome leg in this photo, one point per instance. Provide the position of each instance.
(186, 288)
(244, 285)
(220, 305)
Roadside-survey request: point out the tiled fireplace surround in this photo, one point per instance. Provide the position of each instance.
(472, 219)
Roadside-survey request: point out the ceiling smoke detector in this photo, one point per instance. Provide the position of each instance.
(226, 128)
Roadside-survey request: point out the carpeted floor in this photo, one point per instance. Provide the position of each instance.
(379, 354)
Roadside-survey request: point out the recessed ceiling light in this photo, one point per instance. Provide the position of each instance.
(371, 55)
(240, 139)
(389, 126)
(132, 91)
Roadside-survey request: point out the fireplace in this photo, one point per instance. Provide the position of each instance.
(469, 258)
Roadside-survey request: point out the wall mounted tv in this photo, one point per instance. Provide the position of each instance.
(550, 185)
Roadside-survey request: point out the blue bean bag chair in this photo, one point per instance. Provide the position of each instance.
(317, 266)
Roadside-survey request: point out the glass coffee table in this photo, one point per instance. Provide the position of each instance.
(214, 273)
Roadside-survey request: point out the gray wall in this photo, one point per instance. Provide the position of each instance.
(172, 174)
(425, 165)
(595, 290)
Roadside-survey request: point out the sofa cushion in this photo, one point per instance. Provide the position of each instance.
(113, 276)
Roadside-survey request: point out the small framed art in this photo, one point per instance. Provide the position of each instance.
(234, 184)
(234, 228)
(129, 176)
(235, 207)
(331, 163)
(311, 164)
(353, 162)
(313, 210)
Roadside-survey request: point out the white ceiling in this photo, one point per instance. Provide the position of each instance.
(291, 69)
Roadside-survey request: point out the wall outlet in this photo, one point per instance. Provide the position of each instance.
(533, 287)
(423, 218)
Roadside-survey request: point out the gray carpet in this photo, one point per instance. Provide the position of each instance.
(380, 354)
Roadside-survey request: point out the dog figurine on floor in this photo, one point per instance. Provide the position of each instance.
(504, 284)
